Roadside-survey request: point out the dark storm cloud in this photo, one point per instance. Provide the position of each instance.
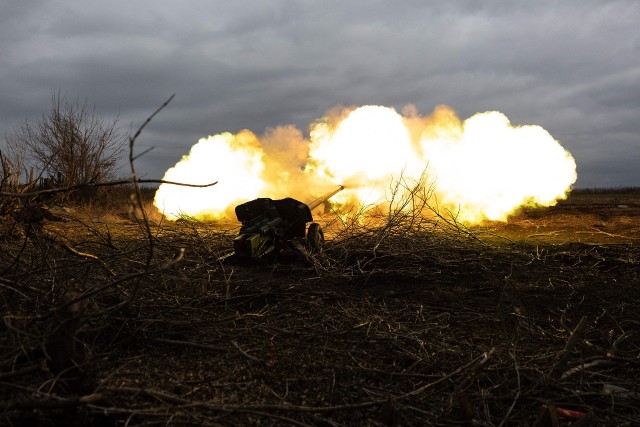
(568, 66)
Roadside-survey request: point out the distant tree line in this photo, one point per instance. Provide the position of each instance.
(607, 190)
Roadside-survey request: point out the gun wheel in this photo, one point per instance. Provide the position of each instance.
(315, 238)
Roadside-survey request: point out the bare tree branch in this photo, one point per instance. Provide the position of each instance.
(99, 184)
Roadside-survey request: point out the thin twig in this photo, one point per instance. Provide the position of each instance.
(565, 355)
(50, 191)
(191, 344)
(53, 402)
(134, 178)
(244, 353)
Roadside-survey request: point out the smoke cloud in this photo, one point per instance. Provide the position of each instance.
(482, 167)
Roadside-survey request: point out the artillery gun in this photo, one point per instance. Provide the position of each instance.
(268, 226)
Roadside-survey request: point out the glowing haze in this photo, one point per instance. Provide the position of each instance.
(364, 151)
(234, 160)
(482, 168)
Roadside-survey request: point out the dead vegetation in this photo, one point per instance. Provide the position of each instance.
(69, 145)
(415, 322)
(117, 319)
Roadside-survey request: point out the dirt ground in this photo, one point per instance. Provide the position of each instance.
(532, 322)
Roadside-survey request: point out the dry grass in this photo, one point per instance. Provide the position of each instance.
(406, 321)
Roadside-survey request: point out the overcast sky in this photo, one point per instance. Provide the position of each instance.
(571, 66)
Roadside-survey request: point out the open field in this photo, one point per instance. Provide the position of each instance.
(414, 322)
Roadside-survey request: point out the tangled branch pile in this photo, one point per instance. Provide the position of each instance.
(409, 323)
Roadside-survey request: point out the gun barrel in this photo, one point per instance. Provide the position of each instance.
(320, 200)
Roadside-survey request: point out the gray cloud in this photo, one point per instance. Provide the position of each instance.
(569, 66)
